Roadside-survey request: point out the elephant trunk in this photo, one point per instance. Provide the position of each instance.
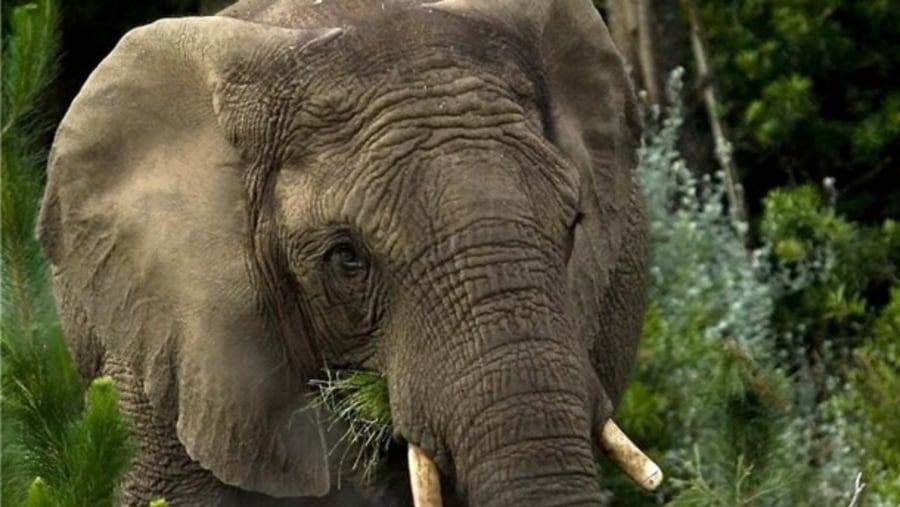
(529, 411)
(516, 418)
(554, 470)
(528, 440)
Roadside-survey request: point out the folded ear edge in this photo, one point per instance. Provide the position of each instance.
(106, 179)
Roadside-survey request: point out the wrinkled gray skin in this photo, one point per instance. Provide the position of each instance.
(442, 193)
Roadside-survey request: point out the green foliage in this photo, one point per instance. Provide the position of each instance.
(721, 396)
(811, 92)
(359, 401)
(38, 496)
(706, 345)
(58, 450)
(844, 269)
(28, 64)
(85, 464)
(872, 402)
(29, 58)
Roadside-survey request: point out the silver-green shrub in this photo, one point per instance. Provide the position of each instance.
(719, 397)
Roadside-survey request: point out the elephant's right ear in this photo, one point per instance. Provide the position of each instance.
(146, 220)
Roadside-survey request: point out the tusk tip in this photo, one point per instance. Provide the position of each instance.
(653, 477)
(622, 451)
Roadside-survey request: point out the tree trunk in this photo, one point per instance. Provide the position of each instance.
(654, 38)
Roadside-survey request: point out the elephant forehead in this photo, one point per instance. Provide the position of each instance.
(378, 70)
(466, 188)
(418, 121)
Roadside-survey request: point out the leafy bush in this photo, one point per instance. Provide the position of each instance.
(846, 270)
(705, 357)
(811, 92)
(871, 400)
(735, 413)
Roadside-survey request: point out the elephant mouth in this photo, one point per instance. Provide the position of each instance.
(360, 399)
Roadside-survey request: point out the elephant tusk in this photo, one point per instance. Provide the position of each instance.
(424, 478)
(622, 451)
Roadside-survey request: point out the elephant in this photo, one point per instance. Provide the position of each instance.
(442, 192)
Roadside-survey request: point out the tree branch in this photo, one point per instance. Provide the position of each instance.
(645, 51)
(722, 146)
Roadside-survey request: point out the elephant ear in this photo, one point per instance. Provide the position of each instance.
(597, 126)
(147, 222)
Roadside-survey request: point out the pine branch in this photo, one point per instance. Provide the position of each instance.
(54, 452)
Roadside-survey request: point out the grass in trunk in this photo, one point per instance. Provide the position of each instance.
(359, 399)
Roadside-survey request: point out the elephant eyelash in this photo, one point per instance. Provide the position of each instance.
(337, 236)
(309, 248)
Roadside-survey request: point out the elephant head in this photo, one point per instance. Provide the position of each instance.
(440, 192)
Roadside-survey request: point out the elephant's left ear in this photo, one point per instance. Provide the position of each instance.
(147, 222)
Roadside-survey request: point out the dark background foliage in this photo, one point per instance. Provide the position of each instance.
(812, 90)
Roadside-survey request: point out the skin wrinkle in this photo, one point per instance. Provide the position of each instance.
(375, 172)
(340, 302)
(457, 294)
(360, 145)
(443, 236)
(261, 182)
(537, 302)
(145, 423)
(398, 150)
(280, 307)
(458, 304)
(500, 447)
(503, 296)
(453, 291)
(450, 236)
(380, 60)
(437, 114)
(372, 200)
(503, 450)
(450, 354)
(565, 447)
(483, 357)
(508, 450)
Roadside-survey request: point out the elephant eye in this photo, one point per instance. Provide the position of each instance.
(346, 259)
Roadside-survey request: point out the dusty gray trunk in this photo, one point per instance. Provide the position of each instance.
(512, 417)
(527, 441)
